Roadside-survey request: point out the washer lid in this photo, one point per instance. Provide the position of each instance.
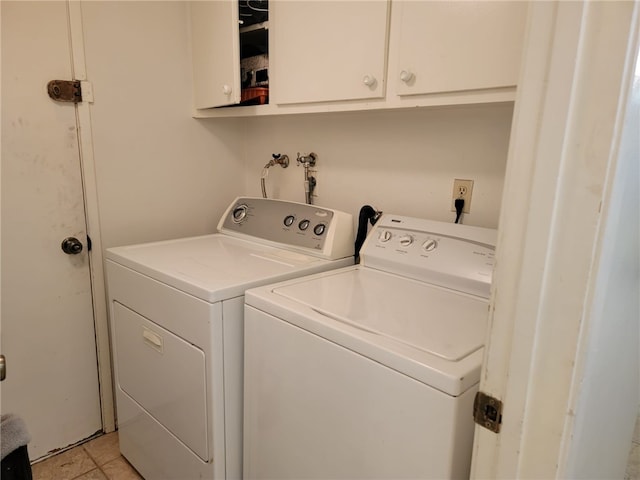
(434, 320)
(216, 267)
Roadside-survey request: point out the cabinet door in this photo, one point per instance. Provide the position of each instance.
(327, 50)
(445, 46)
(215, 47)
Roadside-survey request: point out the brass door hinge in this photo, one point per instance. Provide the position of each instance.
(487, 411)
(65, 90)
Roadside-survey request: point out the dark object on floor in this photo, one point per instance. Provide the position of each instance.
(16, 466)
(14, 437)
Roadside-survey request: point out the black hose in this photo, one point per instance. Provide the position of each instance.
(367, 214)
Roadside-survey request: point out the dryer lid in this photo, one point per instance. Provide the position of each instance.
(438, 321)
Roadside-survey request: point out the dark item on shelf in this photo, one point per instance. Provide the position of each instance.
(253, 11)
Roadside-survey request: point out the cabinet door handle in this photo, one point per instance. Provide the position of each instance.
(369, 80)
(406, 76)
(226, 90)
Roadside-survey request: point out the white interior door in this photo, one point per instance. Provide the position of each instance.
(48, 333)
(563, 342)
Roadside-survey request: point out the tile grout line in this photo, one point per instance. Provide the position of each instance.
(94, 460)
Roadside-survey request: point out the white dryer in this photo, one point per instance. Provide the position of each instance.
(176, 310)
(370, 371)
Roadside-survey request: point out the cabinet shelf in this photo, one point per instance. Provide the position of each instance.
(254, 27)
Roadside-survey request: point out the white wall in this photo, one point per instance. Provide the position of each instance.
(160, 173)
(401, 162)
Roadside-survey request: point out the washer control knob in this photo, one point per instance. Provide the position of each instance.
(239, 213)
(288, 220)
(384, 236)
(304, 224)
(430, 245)
(406, 240)
(319, 229)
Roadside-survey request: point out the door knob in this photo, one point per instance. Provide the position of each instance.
(3, 368)
(71, 246)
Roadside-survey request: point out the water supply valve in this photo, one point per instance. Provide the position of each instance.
(308, 161)
(278, 159)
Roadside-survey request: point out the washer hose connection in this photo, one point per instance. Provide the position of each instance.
(278, 159)
(308, 161)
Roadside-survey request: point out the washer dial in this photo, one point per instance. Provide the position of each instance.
(384, 236)
(430, 245)
(406, 240)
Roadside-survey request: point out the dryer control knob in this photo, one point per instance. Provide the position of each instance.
(288, 220)
(304, 224)
(239, 213)
(319, 229)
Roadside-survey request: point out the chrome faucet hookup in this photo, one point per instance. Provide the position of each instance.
(308, 161)
(277, 159)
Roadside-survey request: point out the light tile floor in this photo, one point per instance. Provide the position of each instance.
(633, 466)
(97, 459)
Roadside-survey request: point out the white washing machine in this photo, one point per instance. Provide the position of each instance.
(370, 371)
(177, 329)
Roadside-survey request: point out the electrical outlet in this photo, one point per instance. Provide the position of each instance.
(462, 189)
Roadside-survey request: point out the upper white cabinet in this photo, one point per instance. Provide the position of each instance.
(338, 55)
(215, 48)
(452, 46)
(325, 51)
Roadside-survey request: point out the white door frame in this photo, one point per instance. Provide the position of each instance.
(89, 185)
(572, 95)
